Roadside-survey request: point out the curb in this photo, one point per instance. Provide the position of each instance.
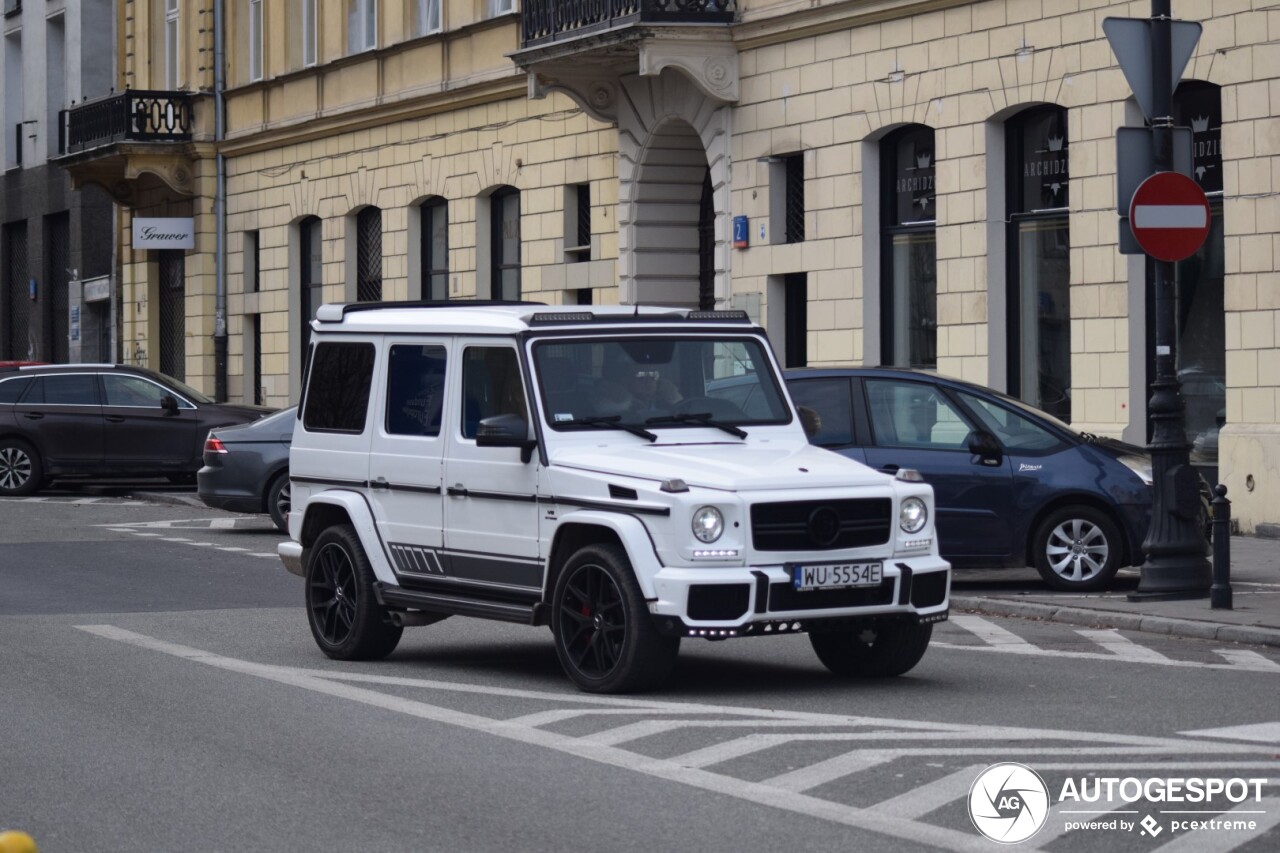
(171, 498)
(1192, 628)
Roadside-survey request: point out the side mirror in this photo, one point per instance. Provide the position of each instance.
(506, 431)
(984, 445)
(169, 404)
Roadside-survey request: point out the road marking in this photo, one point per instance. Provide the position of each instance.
(232, 548)
(1055, 824)
(1121, 647)
(992, 633)
(77, 501)
(1101, 656)
(1248, 659)
(1268, 733)
(1206, 841)
(918, 802)
(845, 764)
(174, 539)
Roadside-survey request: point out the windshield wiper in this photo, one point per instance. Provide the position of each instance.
(703, 418)
(1089, 437)
(610, 422)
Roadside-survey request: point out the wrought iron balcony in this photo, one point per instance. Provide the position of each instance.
(130, 116)
(547, 21)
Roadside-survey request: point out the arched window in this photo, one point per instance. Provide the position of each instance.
(369, 255)
(504, 243)
(909, 266)
(1039, 275)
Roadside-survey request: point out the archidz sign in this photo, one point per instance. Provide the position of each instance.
(164, 233)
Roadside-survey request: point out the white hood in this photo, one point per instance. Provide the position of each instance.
(729, 466)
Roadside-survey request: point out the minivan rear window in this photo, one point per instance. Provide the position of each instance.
(338, 392)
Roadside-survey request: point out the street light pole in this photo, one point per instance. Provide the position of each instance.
(1176, 566)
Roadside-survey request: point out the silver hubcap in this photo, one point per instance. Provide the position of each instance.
(15, 468)
(1077, 550)
(284, 499)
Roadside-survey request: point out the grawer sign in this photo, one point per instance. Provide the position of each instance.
(175, 232)
(1009, 803)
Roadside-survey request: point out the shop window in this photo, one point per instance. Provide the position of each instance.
(1039, 276)
(504, 244)
(369, 255)
(796, 290)
(577, 223)
(252, 262)
(909, 266)
(310, 279)
(435, 249)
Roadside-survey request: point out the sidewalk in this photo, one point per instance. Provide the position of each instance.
(1254, 619)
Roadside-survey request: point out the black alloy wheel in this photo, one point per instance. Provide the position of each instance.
(279, 498)
(20, 469)
(345, 618)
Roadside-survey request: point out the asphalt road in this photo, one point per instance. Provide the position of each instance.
(160, 691)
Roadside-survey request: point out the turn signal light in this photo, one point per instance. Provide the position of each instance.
(214, 445)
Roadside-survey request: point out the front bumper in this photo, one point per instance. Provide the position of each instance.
(762, 599)
(291, 555)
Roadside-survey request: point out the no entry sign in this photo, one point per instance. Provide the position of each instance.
(1169, 216)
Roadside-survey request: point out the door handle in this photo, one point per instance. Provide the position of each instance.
(115, 419)
(380, 483)
(32, 416)
(457, 491)
(889, 469)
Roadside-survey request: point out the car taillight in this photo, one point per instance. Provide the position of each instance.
(214, 445)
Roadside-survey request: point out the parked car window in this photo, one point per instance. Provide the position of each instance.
(912, 414)
(123, 390)
(77, 389)
(1015, 431)
(491, 385)
(338, 394)
(830, 402)
(11, 389)
(415, 389)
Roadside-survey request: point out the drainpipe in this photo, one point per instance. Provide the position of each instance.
(220, 214)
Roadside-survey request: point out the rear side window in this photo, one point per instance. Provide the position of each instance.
(338, 393)
(74, 390)
(415, 389)
(11, 389)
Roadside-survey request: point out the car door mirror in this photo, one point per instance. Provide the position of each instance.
(170, 404)
(985, 446)
(506, 431)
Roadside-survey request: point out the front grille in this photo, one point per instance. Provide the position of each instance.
(718, 602)
(783, 597)
(929, 589)
(820, 525)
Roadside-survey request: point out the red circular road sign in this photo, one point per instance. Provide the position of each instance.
(1169, 216)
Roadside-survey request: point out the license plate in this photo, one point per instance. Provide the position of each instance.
(837, 575)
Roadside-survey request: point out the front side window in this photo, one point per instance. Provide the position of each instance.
(426, 17)
(172, 40)
(362, 25)
(1015, 431)
(1039, 321)
(909, 300)
(912, 414)
(134, 391)
(255, 39)
(11, 389)
(491, 385)
(657, 382)
(337, 397)
(415, 389)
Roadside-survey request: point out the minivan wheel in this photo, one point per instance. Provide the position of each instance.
(1077, 548)
(279, 496)
(605, 638)
(872, 651)
(21, 471)
(346, 619)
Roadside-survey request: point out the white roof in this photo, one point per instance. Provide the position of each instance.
(482, 319)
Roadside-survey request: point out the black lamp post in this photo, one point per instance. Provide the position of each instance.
(1176, 565)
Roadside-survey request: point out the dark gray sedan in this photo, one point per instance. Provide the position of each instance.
(246, 468)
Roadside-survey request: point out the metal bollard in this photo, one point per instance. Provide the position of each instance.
(1220, 592)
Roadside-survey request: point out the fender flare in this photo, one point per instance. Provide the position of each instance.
(357, 509)
(635, 539)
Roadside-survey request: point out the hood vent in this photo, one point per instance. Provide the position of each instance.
(622, 493)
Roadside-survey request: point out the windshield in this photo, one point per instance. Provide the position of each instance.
(658, 382)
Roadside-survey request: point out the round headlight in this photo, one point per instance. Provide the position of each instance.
(708, 524)
(913, 515)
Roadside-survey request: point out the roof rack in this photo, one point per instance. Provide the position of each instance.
(336, 311)
(553, 318)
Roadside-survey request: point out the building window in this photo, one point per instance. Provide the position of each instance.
(310, 30)
(796, 307)
(172, 41)
(362, 25)
(255, 39)
(13, 98)
(435, 249)
(493, 8)
(909, 266)
(577, 223)
(369, 255)
(310, 280)
(426, 17)
(794, 165)
(504, 242)
(256, 355)
(1039, 320)
(252, 262)
(707, 245)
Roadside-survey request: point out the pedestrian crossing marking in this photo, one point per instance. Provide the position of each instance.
(992, 633)
(1121, 647)
(1249, 659)
(1268, 733)
(931, 796)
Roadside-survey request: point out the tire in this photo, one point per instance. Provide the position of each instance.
(605, 638)
(21, 471)
(1077, 548)
(345, 617)
(882, 651)
(279, 495)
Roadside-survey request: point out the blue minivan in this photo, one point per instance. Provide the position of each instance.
(1014, 486)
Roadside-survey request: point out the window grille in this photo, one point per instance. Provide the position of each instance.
(369, 255)
(173, 313)
(795, 198)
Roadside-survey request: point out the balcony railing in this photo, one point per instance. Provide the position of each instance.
(546, 21)
(131, 116)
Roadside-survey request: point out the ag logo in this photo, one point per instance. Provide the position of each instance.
(1008, 802)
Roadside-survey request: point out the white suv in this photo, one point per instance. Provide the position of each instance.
(628, 476)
